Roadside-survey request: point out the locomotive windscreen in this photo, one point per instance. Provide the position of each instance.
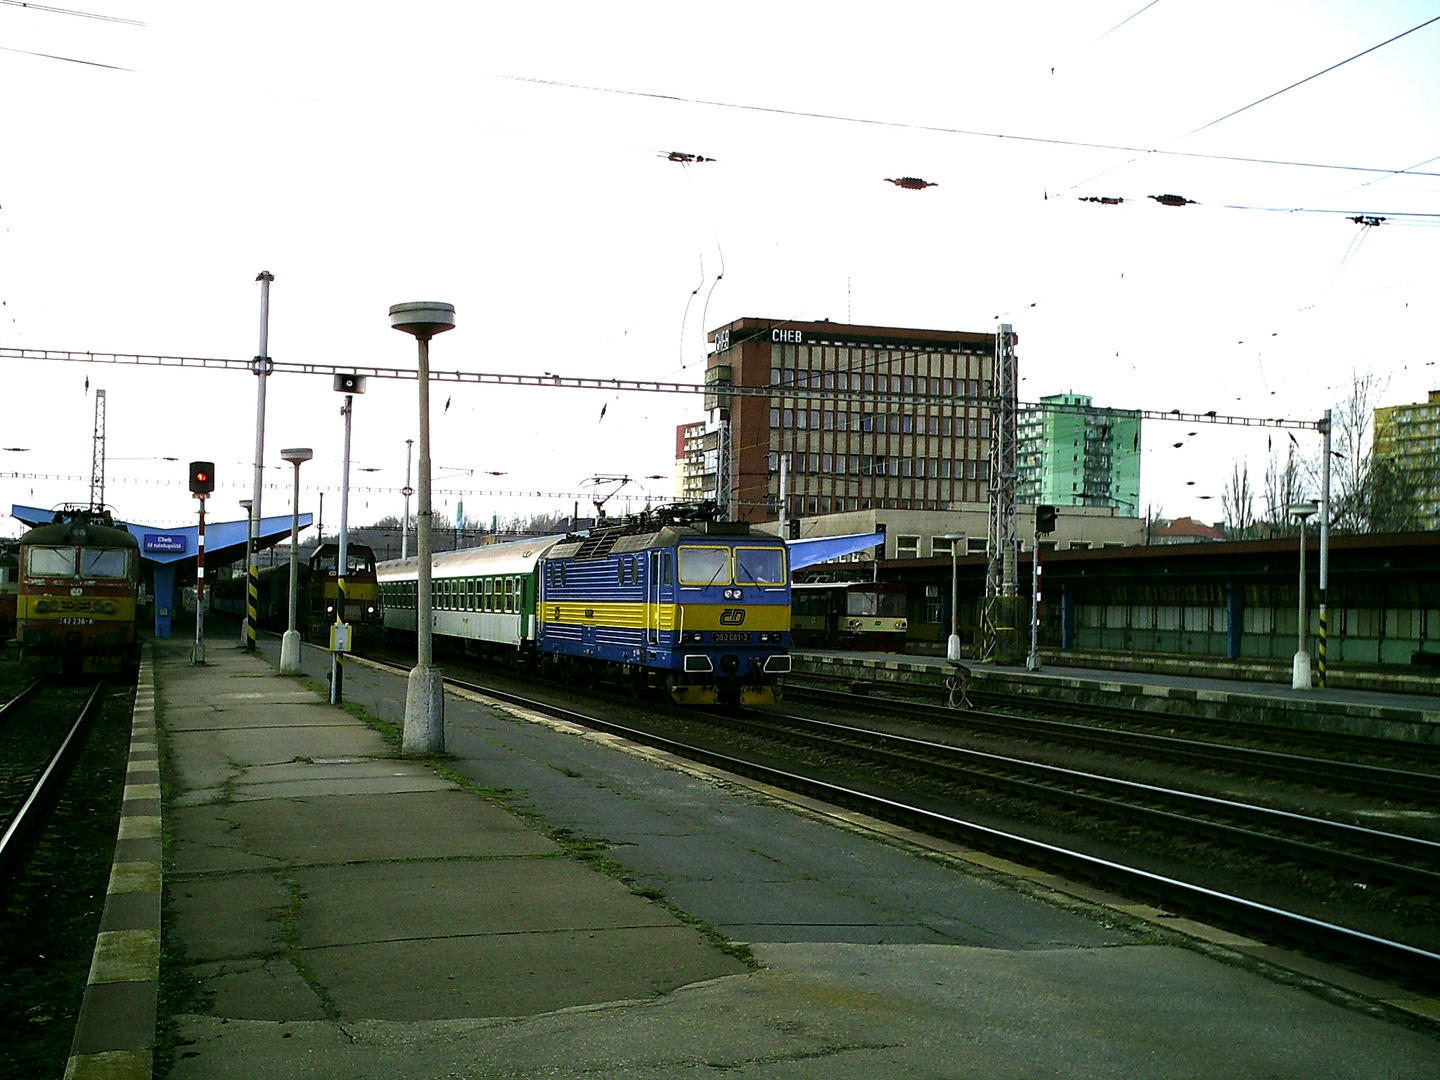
(759, 566)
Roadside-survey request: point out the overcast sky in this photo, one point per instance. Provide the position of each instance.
(510, 160)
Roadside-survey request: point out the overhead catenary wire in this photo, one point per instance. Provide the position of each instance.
(46, 9)
(1309, 78)
(1409, 217)
(1237, 112)
(943, 130)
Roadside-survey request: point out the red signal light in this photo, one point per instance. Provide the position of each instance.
(202, 477)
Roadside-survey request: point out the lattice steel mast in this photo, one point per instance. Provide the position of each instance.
(999, 639)
(97, 460)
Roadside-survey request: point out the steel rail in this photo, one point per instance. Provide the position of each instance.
(29, 817)
(1374, 779)
(19, 699)
(1333, 831)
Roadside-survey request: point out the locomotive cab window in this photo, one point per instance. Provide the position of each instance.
(50, 561)
(704, 566)
(104, 563)
(759, 566)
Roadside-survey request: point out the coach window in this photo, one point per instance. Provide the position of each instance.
(489, 589)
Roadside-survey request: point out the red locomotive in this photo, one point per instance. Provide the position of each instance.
(78, 583)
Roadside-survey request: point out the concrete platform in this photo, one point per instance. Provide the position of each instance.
(555, 903)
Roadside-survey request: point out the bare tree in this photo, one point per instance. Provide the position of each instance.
(1352, 436)
(1154, 519)
(1283, 487)
(1238, 501)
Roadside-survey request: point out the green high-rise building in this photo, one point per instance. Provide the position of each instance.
(1074, 454)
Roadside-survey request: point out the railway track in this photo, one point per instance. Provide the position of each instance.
(922, 784)
(42, 731)
(1078, 728)
(57, 856)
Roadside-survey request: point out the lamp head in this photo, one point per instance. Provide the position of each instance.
(295, 455)
(423, 318)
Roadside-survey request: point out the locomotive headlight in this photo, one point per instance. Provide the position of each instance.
(107, 607)
(732, 594)
(42, 606)
(692, 637)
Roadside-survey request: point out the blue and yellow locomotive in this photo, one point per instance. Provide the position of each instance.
(696, 609)
(669, 602)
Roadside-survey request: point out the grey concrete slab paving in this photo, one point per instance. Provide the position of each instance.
(340, 931)
(858, 1012)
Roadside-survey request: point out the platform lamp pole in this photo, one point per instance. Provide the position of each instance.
(290, 643)
(1300, 673)
(424, 731)
(952, 647)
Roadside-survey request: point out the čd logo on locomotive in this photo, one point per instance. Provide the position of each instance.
(732, 616)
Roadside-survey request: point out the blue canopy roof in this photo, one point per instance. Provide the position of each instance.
(818, 549)
(224, 540)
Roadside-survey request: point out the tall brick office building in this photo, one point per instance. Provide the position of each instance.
(868, 417)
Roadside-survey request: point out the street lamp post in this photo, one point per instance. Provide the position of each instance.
(952, 647)
(424, 731)
(1300, 672)
(290, 643)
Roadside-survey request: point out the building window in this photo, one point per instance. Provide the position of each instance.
(907, 547)
(932, 603)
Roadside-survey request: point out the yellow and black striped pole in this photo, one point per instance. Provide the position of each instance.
(1324, 542)
(252, 602)
(338, 642)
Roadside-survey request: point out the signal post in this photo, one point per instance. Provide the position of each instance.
(202, 483)
(1044, 526)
